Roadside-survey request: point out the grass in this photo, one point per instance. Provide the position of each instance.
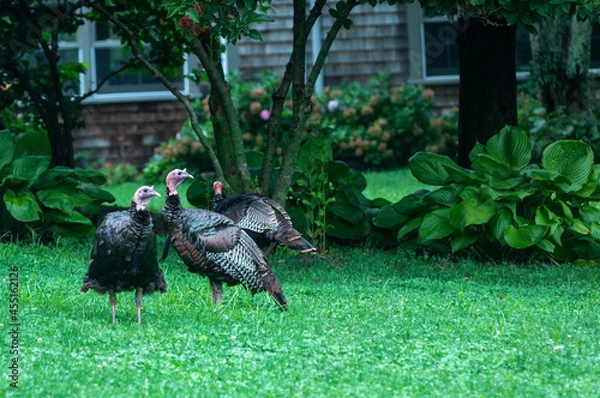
(362, 323)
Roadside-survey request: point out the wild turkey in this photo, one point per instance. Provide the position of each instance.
(265, 220)
(123, 255)
(211, 245)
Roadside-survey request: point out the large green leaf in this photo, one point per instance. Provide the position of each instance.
(410, 204)
(498, 174)
(430, 168)
(8, 147)
(342, 229)
(30, 167)
(543, 216)
(511, 147)
(445, 196)
(589, 214)
(357, 180)
(572, 159)
(200, 193)
(22, 205)
(90, 176)
(34, 143)
(436, 225)
(347, 211)
(97, 193)
(64, 198)
(409, 227)
(471, 212)
(525, 236)
(336, 170)
(585, 248)
(499, 222)
(517, 194)
(388, 217)
(463, 176)
(460, 240)
(58, 217)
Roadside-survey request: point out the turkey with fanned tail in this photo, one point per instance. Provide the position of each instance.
(265, 220)
(211, 245)
(123, 255)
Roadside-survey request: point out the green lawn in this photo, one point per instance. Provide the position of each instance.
(361, 323)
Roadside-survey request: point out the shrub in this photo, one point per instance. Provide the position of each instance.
(186, 152)
(44, 201)
(374, 126)
(545, 127)
(118, 173)
(504, 206)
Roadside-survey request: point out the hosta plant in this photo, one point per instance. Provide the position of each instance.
(504, 206)
(40, 200)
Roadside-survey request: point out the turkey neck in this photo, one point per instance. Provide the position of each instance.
(217, 198)
(141, 218)
(171, 213)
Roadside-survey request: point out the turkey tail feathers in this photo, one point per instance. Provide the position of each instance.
(294, 240)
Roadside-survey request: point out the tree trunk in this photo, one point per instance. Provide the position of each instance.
(561, 55)
(61, 145)
(488, 82)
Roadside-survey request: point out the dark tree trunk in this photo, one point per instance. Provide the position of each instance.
(61, 145)
(488, 83)
(561, 55)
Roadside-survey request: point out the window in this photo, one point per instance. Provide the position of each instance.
(434, 54)
(97, 46)
(107, 55)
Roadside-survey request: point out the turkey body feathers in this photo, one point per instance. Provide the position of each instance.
(123, 256)
(211, 245)
(263, 219)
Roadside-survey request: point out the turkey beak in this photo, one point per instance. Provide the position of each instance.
(187, 175)
(154, 193)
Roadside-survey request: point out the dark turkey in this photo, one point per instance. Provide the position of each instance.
(123, 256)
(265, 220)
(211, 245)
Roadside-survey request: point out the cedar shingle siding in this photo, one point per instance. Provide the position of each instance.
(376, 42)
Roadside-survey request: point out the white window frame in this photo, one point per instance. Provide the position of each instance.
(86, 45)
(417, 51)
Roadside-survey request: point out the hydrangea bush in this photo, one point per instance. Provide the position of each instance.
(370, 127)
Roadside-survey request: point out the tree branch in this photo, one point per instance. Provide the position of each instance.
(278, 99)
(106, 78)
(218, 83)
(327, 43)
(133, 40)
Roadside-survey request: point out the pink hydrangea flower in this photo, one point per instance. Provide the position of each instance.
(265, 114)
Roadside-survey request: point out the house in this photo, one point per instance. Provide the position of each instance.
(131, 115)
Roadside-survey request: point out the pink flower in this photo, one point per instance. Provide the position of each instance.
(265, 114)
(332, 105)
